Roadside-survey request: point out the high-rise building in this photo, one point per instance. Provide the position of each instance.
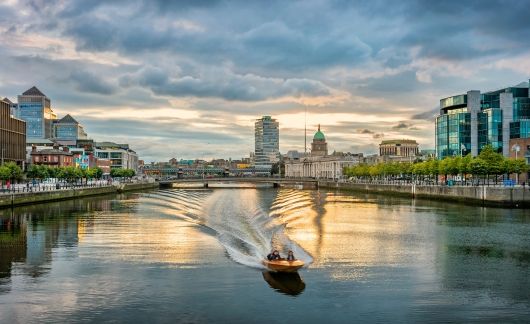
(68, 129)
(319, 147)
(267, 142)
(35, 109)
(12, 136)
(470, 121)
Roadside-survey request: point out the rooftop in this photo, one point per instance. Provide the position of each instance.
(399, 141)
(67, 120)
(319, 136)
(33, 91)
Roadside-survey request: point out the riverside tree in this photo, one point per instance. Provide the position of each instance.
(487, 163)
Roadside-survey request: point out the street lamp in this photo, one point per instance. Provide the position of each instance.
(516, 148)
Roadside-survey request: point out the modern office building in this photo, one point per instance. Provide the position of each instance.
(267, 142)
(12, 136)
(67, 129)
(120, 155)
(399, 147)
(34, 108)
(468, 122)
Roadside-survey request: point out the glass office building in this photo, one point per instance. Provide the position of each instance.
(68, 129)
(35, 109)
(470, 121)
(266, 142)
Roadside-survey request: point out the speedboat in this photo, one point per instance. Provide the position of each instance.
(283, 265)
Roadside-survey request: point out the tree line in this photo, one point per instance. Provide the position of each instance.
(11, 171)
(487, 163)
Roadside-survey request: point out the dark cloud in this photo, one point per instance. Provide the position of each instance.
(427, 115)
(247, 58)
(219, 83)
(364, 131)
(402, 125)
(88, 82)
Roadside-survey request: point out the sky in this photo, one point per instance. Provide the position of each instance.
(187, 79)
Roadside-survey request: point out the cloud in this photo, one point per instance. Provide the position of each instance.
(88, 82)
(402, 125)
(222, 83)
(364, 131)
(367, 68)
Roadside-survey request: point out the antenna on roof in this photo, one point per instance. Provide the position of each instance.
(305, 130)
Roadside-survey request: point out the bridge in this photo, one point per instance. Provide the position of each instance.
(275, 182)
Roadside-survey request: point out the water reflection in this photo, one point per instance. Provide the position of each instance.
(142, 256)
(29, 234)
(289, 283)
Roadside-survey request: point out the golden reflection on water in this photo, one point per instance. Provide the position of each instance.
(340, 231)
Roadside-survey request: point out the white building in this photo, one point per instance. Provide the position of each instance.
(120, 155)
(319, 165)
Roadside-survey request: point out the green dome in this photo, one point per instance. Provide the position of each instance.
(319, 136)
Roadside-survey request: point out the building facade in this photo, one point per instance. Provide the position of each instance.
(468, 122)
(119, 155)
(35, 109)
(12, 136)
(401, 147)
(67, 129)
(320, 165)
(13, 106)
(53, 157)
(266, 142)
(520, 148)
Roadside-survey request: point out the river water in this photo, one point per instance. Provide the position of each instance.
(193, 255)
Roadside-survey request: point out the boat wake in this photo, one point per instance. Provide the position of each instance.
(238, 220)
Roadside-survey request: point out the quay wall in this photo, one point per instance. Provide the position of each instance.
(26, 198)
(485, 195)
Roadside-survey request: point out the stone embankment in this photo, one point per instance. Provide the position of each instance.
(484, 195)
(25, 198)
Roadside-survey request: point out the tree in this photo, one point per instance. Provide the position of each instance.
(478, 166)
(14, 170)
(5, 173)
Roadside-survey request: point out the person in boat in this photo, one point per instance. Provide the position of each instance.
(276, 255)
(290, 256)
(270, 256)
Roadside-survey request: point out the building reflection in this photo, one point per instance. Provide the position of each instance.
(29, 234)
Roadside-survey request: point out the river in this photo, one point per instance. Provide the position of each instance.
(193, 255)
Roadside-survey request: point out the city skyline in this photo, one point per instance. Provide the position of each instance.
(189, 79)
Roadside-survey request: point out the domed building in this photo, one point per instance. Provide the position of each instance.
(319, 147)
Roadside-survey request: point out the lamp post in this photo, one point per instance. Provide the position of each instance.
(516, 148)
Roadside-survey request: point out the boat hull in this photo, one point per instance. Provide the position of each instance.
(283, 265)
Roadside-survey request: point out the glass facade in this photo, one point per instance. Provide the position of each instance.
(67, 132)
(453, 134)
(453, 125)
(267, 142)
(32, 114)
(490, 129)
(520, 129)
